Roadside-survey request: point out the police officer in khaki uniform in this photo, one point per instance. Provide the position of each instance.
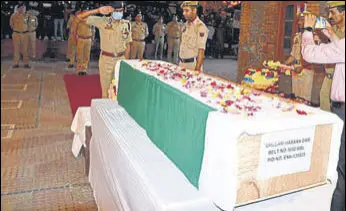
(173, 39)
(339, 29)
(72, 40)
(193, 39)
(159, 33)
(33, 24)
(115, 38)
(298, 85)
(19, 23)
(139, 33)
(85, 33)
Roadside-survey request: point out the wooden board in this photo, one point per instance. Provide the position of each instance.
(250, 189)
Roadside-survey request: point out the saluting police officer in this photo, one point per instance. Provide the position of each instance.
(115, 38)
(19, 24)
(194, 38)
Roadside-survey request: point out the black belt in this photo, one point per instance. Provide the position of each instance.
(189, 60)
(138, 40)
(338, 104)
(173, 37)
(21, 32)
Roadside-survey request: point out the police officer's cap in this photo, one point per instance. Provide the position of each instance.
(332, 4)
(192, 4)
(139, 15)
(116, 4)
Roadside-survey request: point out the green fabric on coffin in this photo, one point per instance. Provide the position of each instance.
(174, 121)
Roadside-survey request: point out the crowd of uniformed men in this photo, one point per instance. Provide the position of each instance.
(119, 37)
(24, 23)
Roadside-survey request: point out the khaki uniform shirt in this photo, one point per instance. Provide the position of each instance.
(139, 30)
(83, 29)
(114, 35)
(159, 29)
(194, 37)
(296, 48)
(72, 25)
(19, 22)
(173, 29)
(70, 21)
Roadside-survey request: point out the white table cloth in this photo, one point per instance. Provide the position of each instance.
(128, 172)
(80, 121)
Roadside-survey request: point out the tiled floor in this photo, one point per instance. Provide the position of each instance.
(38, 170)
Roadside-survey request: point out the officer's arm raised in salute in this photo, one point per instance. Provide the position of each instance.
(99, 21)
(105, 10)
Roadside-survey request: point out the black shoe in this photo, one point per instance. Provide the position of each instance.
(15, 66)
(82, 73)
(27, 66)
(70, 66)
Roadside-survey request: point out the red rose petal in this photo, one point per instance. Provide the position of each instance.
(238, 107)
(247, 98)
(229, 102)
(301, 112)
(229, 86)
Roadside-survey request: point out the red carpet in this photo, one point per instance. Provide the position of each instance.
(82, 89)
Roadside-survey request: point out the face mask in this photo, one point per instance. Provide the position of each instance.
(117, 15)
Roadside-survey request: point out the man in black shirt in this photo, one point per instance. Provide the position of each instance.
(6, 11)
(58, 16)
(46, 16)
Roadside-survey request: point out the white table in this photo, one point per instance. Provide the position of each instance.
(128, 172)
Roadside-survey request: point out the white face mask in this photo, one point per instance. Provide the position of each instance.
(117, 15)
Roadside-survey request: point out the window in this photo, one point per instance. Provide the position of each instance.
(288, 29)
